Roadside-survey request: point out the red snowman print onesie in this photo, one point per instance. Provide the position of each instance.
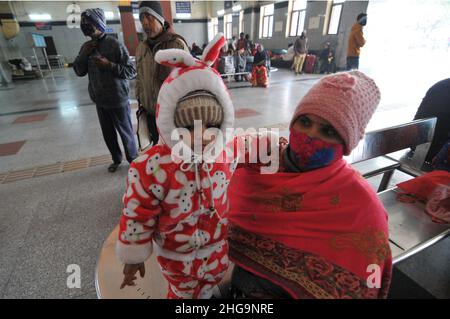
(178, 209)
(165, 204)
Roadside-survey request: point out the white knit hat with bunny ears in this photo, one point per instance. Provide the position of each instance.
(189, 75)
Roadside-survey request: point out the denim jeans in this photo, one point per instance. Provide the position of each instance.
(352, 63)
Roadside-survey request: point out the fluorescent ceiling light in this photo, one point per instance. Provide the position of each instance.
(40, 17)
(220, 12)
(109, 15)
(237, 8)
(183, 15)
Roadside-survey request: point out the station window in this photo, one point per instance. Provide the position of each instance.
(266, 25)
(241, 21)
(228, 26)
(298, 15)
(215, 26)
(335, 16)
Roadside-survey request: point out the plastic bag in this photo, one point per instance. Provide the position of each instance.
(142, 132)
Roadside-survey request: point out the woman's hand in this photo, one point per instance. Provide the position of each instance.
(129, 271)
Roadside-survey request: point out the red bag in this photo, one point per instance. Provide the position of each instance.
(431, 188)
(310, 62)
(422, 186)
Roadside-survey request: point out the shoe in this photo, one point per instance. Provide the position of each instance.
(113, 167)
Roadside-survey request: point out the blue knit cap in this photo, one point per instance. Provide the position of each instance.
(96, 17)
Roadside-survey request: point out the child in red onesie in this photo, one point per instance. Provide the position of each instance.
(177, 208)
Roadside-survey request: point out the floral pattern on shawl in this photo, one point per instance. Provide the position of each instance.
(304, 275)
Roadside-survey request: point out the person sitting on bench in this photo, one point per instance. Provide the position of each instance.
(326, 58)
(442, 159)
(259, 69)
(315, 229)
(436, 103)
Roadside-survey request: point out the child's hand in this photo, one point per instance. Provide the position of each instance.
(130, 270)
(283, 141)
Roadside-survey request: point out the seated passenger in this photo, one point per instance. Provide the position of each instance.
(442, 160)
(259, 70)
(326, 59)
(436, 104)
(315, 229)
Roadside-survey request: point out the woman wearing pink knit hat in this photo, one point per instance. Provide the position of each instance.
(315, 229)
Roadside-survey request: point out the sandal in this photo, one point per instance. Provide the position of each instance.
(113, 167)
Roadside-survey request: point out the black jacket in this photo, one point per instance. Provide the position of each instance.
(436, 103)
(107, 88)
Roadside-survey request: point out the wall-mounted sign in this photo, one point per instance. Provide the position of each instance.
(182, 7)
(278, 26)
(38, 40)
(43, 26)
(314, 23)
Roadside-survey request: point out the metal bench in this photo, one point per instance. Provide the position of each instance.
(229, 76)
(410, 228)
(109, 276)
(383, 151)
(56, 61)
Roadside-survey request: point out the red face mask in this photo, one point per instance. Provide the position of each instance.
(310, 153)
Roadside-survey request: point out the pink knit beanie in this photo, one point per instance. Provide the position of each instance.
(347, 100)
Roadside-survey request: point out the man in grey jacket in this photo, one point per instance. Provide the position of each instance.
(300, 50)
(108, 65)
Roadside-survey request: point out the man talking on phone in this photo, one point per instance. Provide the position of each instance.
(108, 65)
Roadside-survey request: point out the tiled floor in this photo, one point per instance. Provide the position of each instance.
(61, 167)
(30, 118)
(12, 148)
(241, 113)
(46, 102)
(59, 203)
(54, 221)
